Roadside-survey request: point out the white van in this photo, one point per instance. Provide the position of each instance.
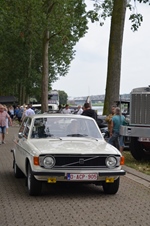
(51, 107)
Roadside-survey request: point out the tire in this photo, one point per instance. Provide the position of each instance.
(136, 149)
(17, 172)
(111, 188)
(34, 186)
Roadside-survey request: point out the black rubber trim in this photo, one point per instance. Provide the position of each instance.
(48, 173)
(117, 173)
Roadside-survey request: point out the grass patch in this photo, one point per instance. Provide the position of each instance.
(141, 166)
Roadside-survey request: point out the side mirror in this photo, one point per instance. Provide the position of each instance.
(103, 134)
(20, 135)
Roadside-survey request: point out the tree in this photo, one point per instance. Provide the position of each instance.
(62, 97)
(37, 44)
(115, 54)
(117, 10)
(20, 47)
(68, 25)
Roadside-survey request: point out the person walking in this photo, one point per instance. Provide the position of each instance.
(29, 111)
(7, 124)
(117, 120)
(109, 118)
(89, 112)
(20, 113)
(3, 116)
(66, 110)
(11, 111)
(80, 110)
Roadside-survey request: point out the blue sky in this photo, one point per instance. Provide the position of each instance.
(88, 71)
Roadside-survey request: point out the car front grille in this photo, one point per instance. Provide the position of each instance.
(140, 109)
(79, 161)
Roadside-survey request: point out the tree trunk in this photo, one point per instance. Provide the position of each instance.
(114, 55)
(45, 72)
(27, 97)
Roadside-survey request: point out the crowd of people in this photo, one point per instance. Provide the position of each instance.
(10, 113)
(85, 110)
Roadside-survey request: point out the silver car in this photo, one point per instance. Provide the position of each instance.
(65, 148)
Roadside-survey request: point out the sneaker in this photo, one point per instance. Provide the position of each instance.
(3, 142)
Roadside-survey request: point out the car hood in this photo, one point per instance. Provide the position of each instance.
(76, 146)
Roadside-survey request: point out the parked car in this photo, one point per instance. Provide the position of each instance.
(101, 121)
(65, 148)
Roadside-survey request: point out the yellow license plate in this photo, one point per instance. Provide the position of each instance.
(51, 180)
(109, 180)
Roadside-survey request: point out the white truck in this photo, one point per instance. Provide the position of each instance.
(139, 123)
(51, 108)
(53, 97)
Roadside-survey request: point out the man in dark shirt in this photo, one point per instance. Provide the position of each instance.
(89, 112)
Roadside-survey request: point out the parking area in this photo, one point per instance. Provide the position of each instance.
(68, 205)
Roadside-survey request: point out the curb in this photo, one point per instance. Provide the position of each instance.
(137, 176)
(136, 173)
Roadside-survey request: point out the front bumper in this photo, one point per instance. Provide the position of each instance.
(62, 176)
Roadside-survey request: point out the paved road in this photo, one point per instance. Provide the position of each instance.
(69, 205)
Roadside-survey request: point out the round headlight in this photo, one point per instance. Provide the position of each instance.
(111, 162)
(49, 162)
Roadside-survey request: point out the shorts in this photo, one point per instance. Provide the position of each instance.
(3, 129)
(116, 137)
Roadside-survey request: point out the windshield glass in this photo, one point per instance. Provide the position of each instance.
(64, 127)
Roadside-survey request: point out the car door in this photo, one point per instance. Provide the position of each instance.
(22, 146)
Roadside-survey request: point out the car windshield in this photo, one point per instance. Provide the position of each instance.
(58, 127)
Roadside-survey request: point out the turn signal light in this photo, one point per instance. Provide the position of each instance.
(122, 160)
(36, 160)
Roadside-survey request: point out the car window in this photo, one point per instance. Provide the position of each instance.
(25, 126)
(64, 127)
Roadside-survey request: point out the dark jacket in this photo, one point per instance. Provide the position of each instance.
(91, 113)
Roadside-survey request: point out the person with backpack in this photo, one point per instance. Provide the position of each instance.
(117, 120)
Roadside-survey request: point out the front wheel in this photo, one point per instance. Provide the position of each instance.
(34, 186)
(111, 188)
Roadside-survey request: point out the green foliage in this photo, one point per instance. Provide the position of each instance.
(144, 1)
(20, 46)
(142, 166)
(22, 25)
(103, 9)
(136, 20)
(62, 97)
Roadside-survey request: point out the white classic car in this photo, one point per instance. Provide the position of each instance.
(65, 148)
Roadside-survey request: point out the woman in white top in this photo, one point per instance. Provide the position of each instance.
(7, 126)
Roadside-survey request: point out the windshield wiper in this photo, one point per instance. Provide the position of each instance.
(75, 135)
(53, 136)
(81, 135)
(87, 136)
